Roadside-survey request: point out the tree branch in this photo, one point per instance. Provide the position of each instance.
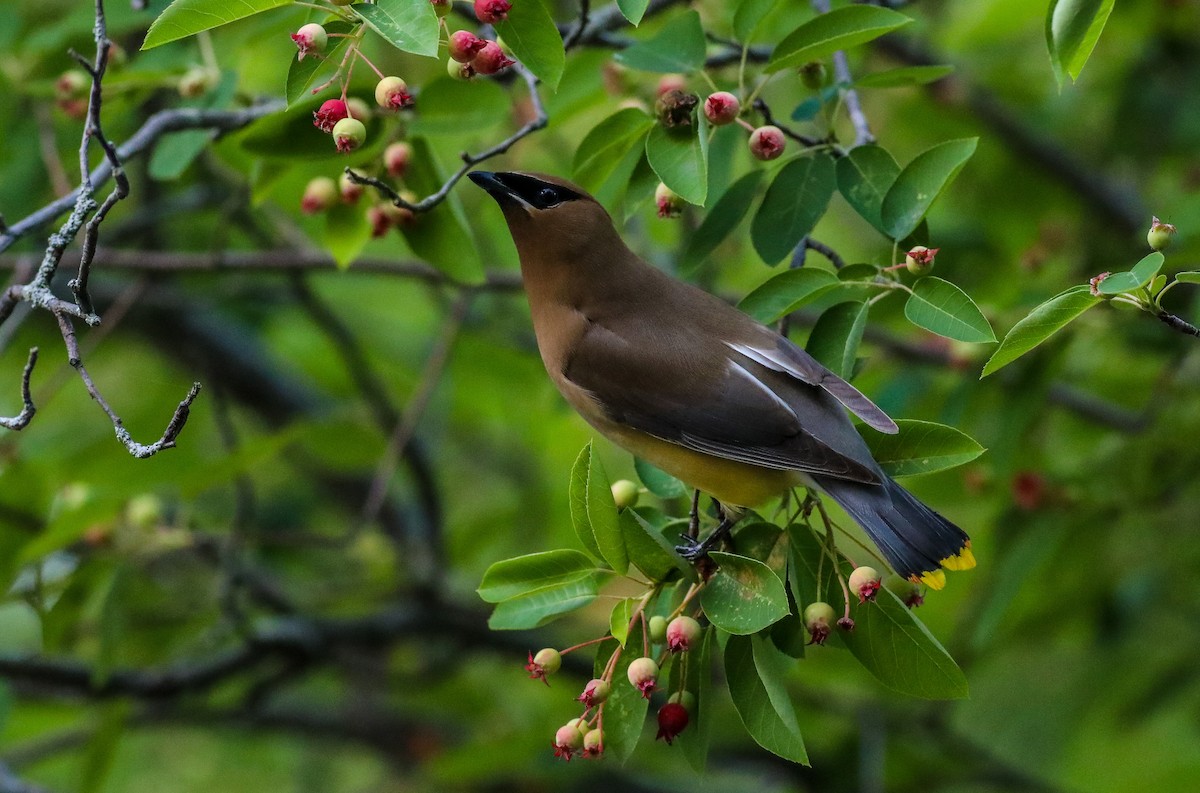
(22, 419)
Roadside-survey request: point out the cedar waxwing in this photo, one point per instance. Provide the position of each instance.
(690, 384)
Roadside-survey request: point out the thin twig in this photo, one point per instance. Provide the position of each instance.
(845, 81)
(22, 419)
(572, 38)
(804, 140)
(1178, 323)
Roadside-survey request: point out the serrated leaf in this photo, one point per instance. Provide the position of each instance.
(301, 72)
(633, 10)
(678, 47)
(185, 18)
(1041, 323)
(864, 177)
(511, 578)
(1142, 273)
(748, 15)
(920, 183)
(756, 672)
(530, 32)
(1072, 29)
(721, 220)
(921, 447)
(658, 481)
(827, 33)
(680, 158)
(408, 25)
(900, 651)
(744, 596)
(786, 292)
(904, 76)
(441, 236)
(794, 203)
(625, 708)
(836, 335)
(941, 307)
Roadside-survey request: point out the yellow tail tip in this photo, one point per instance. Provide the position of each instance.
(963, 560)
(934, 579)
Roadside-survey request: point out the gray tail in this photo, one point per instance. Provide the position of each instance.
(913, 538)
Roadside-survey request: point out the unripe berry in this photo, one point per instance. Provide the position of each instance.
(657, 628)
(581, 725)
(722, 108)
(349, 134)
(595, 692)
(593, 744)
(357, 108)
(328, 114)
(818, 617)
(397, 216)
(864, 582)
(643, 675)
(920, 259)
(378, 220)
(672, 719)
(492, 11)
(767, 143)
(567, 741)
(491, 59)
(682, 633)
(465, 45)
(459, 71)
(442, 7)
(71, 85)
(1159, 235)
(144, 511)
(310, 38)
(813, 75)
(319, 195)
(351, 191)
(395, 159)
(625, 493)
(392, 93)
(908, 592)
(196, 82)
(667, 201)
(548, 660)
(685, 698)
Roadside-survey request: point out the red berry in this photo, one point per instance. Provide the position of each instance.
(682, 633)
(351, 191)
(865, 582)
(395, 159)
(310, 38)
(643, 675)
(319, 195)
(491, 59)
(378, 220)
(328, 114)
(349, 134)
(722, 108)
(492, 11)
(767, 143)
(392, 93)
(672, 719)
(465, 45)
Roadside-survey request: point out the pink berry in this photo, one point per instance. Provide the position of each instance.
(567, 741)
(310, 38)
(667, 201)
(349, 134)
(378, 220)
(722, 108)
(767, 143)
(351, 191)
(491, 59)
(328, 114)
(595, 692)
(643, 675)
(492, 11)
(319, 195)
(465, 45)
(670, 82)
(865, 582)
(395, 159)
(71, 85)
(682, 634)
(546, 662)
(392, 93)
(672, 719)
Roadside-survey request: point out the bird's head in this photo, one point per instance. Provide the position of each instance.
(551, 219)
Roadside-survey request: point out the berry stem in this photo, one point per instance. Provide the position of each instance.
(746, 124)
(359, 53)
(581, 645)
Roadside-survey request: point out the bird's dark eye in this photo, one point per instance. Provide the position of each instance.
(547, 196)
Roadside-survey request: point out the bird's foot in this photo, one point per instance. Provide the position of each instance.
(692, 549)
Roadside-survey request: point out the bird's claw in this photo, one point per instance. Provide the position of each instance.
(691, 549)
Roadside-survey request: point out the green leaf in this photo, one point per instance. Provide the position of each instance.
(1072, 29)
(679, 156)
(185, 18)
(1041, 323)
(530, 32)
(658, 481)
(101, 749)
(835, 338)
(787, 291)
(20, 630)
(921, 447)
(744, 596)
(347, 232)
(693, 741)
(618, 620)
(748, 16)
(600, 153)
(792, 206)
(625, 708)
(175, 152)
(523, 574)
(904, 76)
(864, 177)
(450, 106)
(536, 608)
(756, 674)
(408, 25)
(594, 513)
(648, 548)
(301, 72)
(900, 651)
(840, 29)
(1142, 274)
(441, 236)
(721, 220)
(1188, 277)
(633, 10)
(920, 183)
(678, 47)
(941, 307)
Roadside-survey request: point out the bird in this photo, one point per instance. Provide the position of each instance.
(692, 385)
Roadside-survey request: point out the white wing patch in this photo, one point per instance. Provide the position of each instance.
(739, 370)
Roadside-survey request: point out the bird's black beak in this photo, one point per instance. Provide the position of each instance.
(494, 184)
